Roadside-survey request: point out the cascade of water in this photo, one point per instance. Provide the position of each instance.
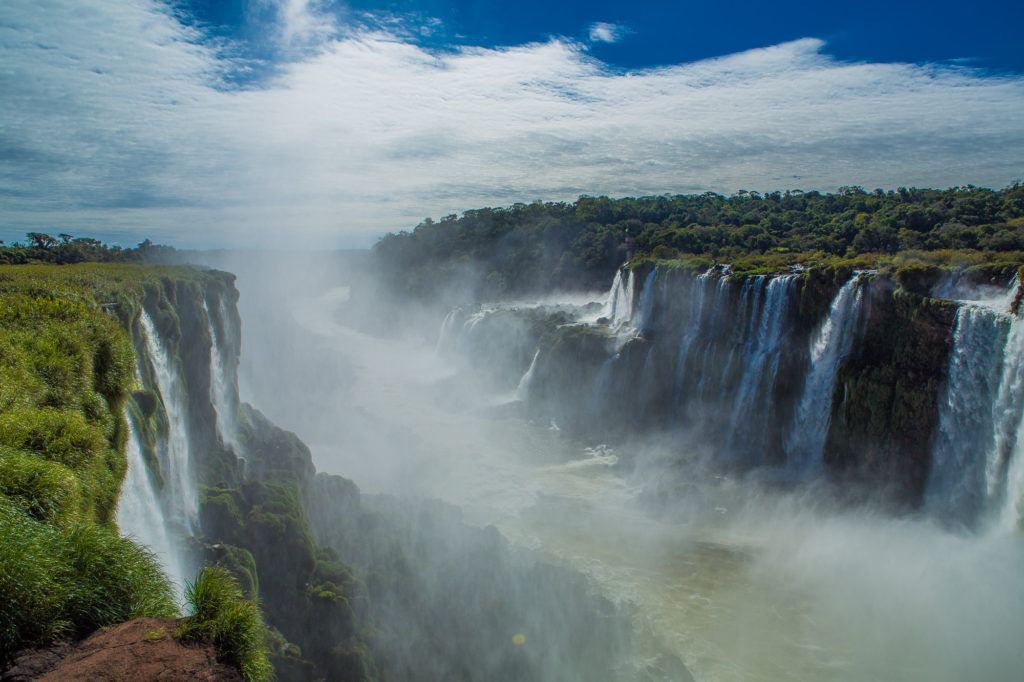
(175, 457)
(829, 346)
(977, 466)
(140, 514)
(718, 321)
(613, 296)
(221, 395)
(1003, 466)
(753, 397)
(446, 329)
(692, 321)
(958, 485)
(749, 313)
(645, 312)
(523, 389)
(619, 305)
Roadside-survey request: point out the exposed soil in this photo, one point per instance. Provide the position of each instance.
(139, 650)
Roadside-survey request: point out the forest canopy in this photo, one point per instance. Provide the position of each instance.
(65, 249)
(530, 247)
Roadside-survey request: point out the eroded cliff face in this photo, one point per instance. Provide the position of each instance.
(885, 403)
(354, 587)
(820, 373)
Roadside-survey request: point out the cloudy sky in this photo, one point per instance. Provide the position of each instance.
(306, 123)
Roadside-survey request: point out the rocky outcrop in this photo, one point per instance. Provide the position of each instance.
(885, 404)
(139, 650)
(732, 361)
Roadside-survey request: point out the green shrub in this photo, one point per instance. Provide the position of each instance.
(222, 616)
(47, 491)
(56, 581)
(32, 586)
(58, 435)
(115, 580)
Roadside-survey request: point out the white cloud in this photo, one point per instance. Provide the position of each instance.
(303, 24)
(604, 32)
(113, 118)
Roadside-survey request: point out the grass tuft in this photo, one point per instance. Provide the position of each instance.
(222, 616)
(58, 581)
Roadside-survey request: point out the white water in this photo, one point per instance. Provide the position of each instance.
(760, 359)
(180, 495)
(221, 390)
(977, 474)
(523, 389)
(644, 315)
(447, 327)
(692, 326)
(830, 344)
(740, 585)
(140, 514)
(619, 306)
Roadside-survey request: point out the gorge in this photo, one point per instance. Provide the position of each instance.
(701, 473)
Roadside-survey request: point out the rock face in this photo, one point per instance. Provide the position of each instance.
(823, 373)
(139, 650)
(352, 587)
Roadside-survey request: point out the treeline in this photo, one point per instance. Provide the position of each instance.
(64, 249)
(539, 246)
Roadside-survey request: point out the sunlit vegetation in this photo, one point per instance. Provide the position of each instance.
(540, 246)
(67, 371)
(68, 581)
(223, 616)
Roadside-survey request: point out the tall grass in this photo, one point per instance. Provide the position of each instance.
(222, 616)
(57, 581)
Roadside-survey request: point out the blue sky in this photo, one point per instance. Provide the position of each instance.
(984, 34)
(327, 123)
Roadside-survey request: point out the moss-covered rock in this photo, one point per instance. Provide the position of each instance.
(885, 403)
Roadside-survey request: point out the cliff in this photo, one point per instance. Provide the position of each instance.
(67, 376)
(352, 587)
(820, 372)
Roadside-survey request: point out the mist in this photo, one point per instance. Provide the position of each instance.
(722, 573)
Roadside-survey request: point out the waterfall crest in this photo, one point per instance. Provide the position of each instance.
(180, 494)
(977, 464)
(829, 346)
(619, 306)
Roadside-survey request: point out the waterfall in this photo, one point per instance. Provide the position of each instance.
(753, 398)
(523, 389)
(719, 320)
(644, 314)
(977, 467)
(446, 329)
(222, 396)
(958, 483)
(829, 346)
(619, 306)
(179, 491)
(140, 514)
(692, 324)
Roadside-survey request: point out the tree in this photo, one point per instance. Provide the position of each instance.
(41, 240)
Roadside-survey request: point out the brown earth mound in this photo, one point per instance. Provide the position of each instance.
(139, 650)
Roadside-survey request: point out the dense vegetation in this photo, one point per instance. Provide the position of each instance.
(541, 246)
(65, 249)
(223, 616)
(67, 376)
(67, 581)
